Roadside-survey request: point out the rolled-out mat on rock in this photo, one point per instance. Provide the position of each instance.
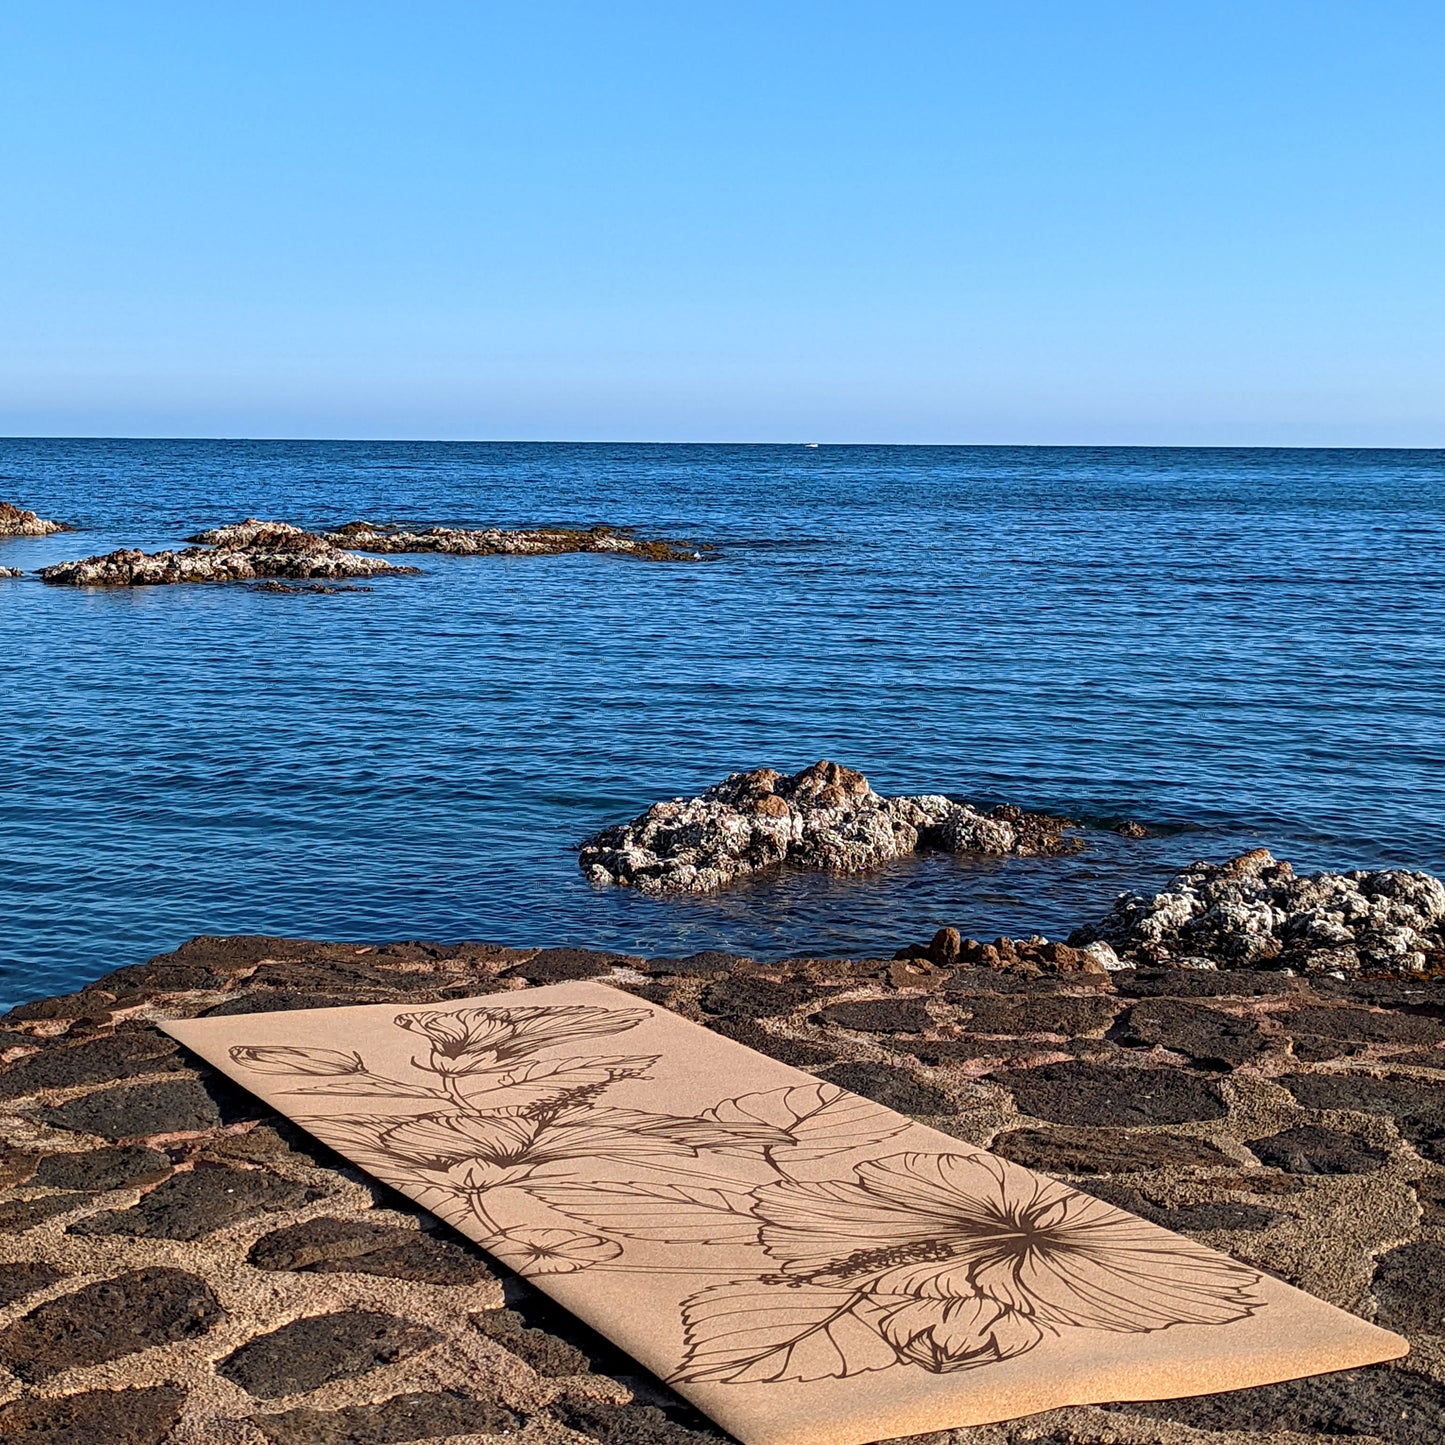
(804, 1265)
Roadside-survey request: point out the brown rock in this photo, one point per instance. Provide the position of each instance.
(16, 522)
(1399, 1407)
(100, 1060)
(1106, 1151)
(1309, 1149)
(892, 1087)
(18, 1215)
(1071, 1017)
(25, 1278)
(98, 1170)
(1407, 1288)
(358, 1246)
(1206, 1034)
(633, 1424)
(104, 1321)
(199, 1202)
(95, 1417)
(403, 1418)
(139, 1111)
(883, 1016)
(560, 965)
(1085, 1093)
(313, 1351)
(540, 1349)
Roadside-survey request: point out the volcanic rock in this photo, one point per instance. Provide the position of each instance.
(1253, 912)
(825, 817)
(267, 551)
(462, 542)
(16, 522)
(1028, 957)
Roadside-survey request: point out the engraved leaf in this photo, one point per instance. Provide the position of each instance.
(536, 1083)
(669, 1213)
(743, 1333)
(366, 1086)
(819, 1119)
(692, 1134)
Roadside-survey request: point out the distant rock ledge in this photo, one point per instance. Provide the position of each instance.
(825, 817)
(461, 542)
(16, 522)
(285, 552)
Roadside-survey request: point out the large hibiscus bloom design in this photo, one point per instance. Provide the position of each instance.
(960, 1259)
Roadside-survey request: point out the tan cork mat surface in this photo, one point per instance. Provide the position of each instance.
(804, 1265)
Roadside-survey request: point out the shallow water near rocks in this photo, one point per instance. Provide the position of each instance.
(1240, 648)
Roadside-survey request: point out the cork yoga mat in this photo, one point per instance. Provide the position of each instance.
(806, 1266)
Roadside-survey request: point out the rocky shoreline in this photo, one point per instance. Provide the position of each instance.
(478, 542)
(255, 549)
(17, 522)
(288, 553)
(183, 1266)
(824, 817)
(1250, 912)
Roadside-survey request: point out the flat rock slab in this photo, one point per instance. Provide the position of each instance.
(1352, 1056)
(402, 1418)
(314, 1351)
(109, 1319)
(198, 1201)
(95, 1417)
(1088, 1093)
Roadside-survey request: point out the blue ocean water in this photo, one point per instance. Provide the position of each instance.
(1239, 648)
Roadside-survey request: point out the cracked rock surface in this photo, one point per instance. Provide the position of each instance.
(1253, 912)
(825, 816)
(179, 1266)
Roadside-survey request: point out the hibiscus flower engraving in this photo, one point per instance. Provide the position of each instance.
(961, 1260)
(937, 1261)
(475, 1040)
(293, 1059)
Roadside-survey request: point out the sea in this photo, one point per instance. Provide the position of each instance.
(1237, 648)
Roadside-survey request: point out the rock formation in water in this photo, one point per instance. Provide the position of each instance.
(826, 816)
(16, 522)
(1253, 912)
(461, 542)
(266, 552)
(11, 572)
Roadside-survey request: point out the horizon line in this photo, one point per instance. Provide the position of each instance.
(794, 445)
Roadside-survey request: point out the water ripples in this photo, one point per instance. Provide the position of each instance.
(1243, 648)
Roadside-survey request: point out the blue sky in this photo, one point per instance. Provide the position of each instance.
(1025, 221)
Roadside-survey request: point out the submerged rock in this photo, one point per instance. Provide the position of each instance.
(825, 817)
(310, 589)
(267, 551)
(16, 522)
(1253, 912)
(462, 542)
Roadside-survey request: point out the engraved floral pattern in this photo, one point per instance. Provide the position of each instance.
(939, 1261)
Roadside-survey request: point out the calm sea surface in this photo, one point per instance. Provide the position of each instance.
(1240, 648)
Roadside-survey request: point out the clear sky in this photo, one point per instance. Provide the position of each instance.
(1054, 221)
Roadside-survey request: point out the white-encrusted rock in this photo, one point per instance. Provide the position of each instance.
(1253, 912)
(825, 817)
